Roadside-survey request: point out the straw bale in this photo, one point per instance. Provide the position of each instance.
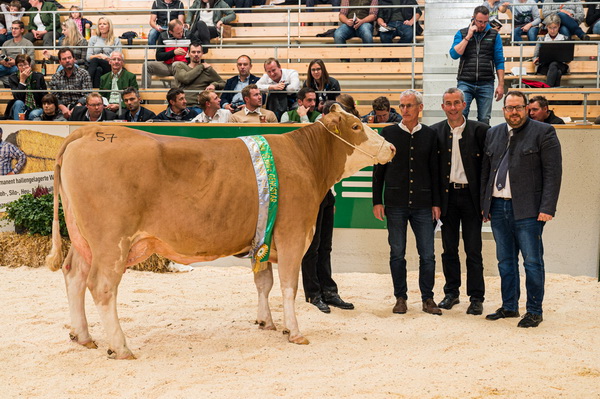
(30, 250)
(40, 148)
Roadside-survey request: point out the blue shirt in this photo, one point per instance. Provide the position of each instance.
(498, 50)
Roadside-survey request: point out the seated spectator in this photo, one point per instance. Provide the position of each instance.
(494, 6)
(71, 84)
(101, 45)
(13, 47)
(592, 18)
(571, 16)
(93, 111)
(43, 25)
(399, 21)
(177, 111)
(51, 112)
(526, 16)
(196, 76)
(280, 85)
(171, 46)
(73, 39)
(77, 17)
(207, 23)
(210, 104)
(25, 83)
(117, 79)
(555, 69)
(134, 112)
(252, 111)
(356, 22)
(348, 104)
(233, 102)
(538, 110)
(9, 153)
(318, 78)
(160, 19)
(310, 4)
(305, 113)
(382, 112)
(12, 12)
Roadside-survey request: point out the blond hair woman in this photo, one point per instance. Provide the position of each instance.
(101, 45)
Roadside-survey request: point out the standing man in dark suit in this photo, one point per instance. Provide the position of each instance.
(520, 183)
(460, 142)
(405, 191)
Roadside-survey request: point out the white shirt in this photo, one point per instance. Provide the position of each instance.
(288, 76)
(207, 16)
(505, 192)
(222, 116)
(457, 169)
(37, 20)
(415, 129)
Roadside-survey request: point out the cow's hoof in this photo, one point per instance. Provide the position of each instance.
(299, 340)
(263, 325)
(127, 355)
(89, 344)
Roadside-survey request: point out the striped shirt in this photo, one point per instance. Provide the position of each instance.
(8, 152)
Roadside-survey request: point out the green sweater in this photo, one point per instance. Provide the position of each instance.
(46, 18)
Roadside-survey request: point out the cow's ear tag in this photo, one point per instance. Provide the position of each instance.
(336, 130)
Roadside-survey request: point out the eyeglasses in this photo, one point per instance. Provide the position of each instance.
(315, 69)
(407, 106)
(518, 108)
(95, 105)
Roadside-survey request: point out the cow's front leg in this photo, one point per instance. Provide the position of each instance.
(264, 283)
(75, 270)
(103, 283)
(288, 277)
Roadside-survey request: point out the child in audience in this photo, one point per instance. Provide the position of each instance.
(12, 12)
(81, 22)
(555, 69)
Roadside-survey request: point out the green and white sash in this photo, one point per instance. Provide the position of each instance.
(268, 195)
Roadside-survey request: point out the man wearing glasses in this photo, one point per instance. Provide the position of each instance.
(520, 183)
(407, 190)
(479, 48)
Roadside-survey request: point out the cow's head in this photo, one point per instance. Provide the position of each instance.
(365, 146)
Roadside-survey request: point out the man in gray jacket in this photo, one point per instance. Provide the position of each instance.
(520, 183)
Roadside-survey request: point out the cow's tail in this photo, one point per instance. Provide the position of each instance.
(54, 259)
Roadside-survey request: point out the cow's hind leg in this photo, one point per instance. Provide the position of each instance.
(264, 283)
(75, 270)
(103, 282)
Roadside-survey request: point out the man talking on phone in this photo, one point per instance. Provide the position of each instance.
(479, 48)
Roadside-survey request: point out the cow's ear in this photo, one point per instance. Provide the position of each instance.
(335, 107)
(333, 122)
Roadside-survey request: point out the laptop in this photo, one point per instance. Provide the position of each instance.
(556, 51)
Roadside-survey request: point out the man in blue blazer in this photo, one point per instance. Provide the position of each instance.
(234, 101)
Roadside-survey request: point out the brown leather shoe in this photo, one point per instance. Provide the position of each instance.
(429, 306)
(400, 306)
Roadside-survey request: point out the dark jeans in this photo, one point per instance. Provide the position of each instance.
(461, 210)
(512, 236)
(397, 28)
(422, 226)
(569, 27)
(553, 71)
(316, 264)
(96, 69)
(203, 33)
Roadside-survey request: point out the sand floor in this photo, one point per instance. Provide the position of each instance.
(195, 337)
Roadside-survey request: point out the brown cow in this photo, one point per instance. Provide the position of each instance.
(128, 194)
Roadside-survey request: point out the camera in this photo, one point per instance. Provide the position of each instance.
(4, 57)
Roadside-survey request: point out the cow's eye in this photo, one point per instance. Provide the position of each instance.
(356, 126)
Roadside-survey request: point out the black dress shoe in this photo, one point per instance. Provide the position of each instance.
(530, 320)
(502, 313)
(321, 305)
(475, 308)
(338, 302)
(448, 302)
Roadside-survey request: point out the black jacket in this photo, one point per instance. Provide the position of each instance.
(535, 168)
(145, 114)
(37, 83)
(593, 14)
(230, 85)
(79, 114)
(477, 62)
(471, 152)
(553, 119)
(411, 180)
(407, 13)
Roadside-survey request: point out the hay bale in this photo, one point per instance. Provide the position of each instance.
(40, 148)
(18, 250)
